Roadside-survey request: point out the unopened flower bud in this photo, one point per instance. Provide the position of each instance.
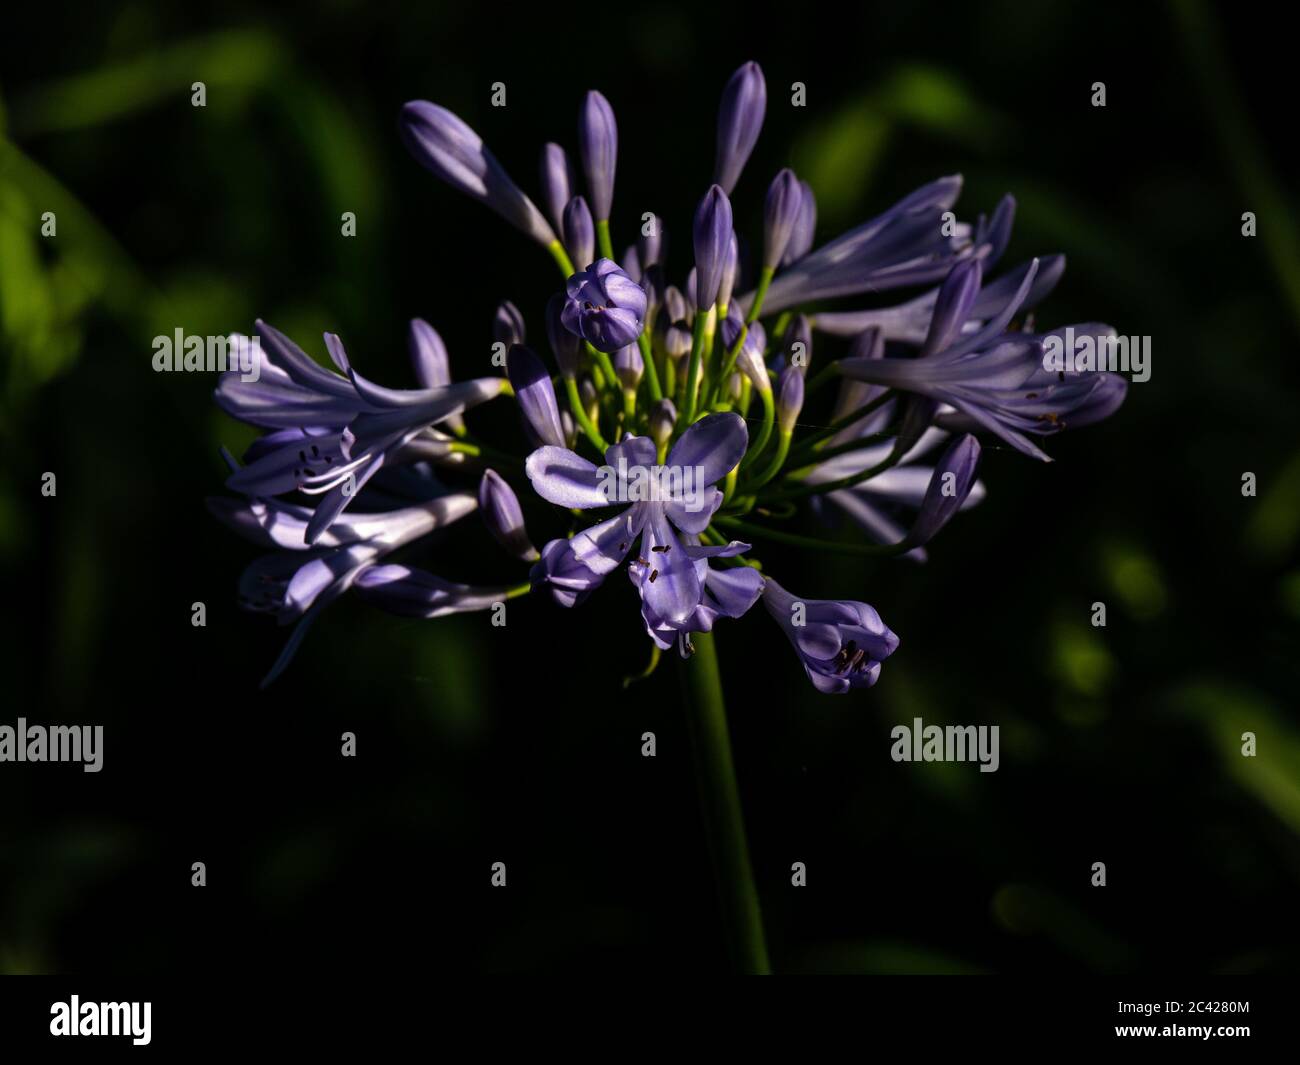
(789, 399)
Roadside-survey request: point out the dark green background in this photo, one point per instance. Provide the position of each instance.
(476, 745)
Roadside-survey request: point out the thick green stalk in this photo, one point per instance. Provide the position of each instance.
(561, 258)
(651, 370)
(723, 818)
(603, 238)
(760, 441)
(693, 369)
(579, 413)
(799, 491)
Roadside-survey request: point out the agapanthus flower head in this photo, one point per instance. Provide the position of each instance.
(604, 306)
(685, 417)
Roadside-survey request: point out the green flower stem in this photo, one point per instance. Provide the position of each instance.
(819, 380)
(809, 444)
(519, 590)
(670, 377)
(724, 822)
(693, 369)
(729, 363)
(482, 451)
(602, 236)
(606, 367)
(651, 370)
(710, 329)
(858, 443)
(803, 490)
(762, 532)
(774, 465)
(579, 413)
(651, 666)
(769, 417)
(764, 279)
(561, 257)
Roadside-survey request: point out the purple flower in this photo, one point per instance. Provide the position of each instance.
(331, 433)
(629, 366)
(755, 337)
(431, 364)
(565, 346)
(949, 488)
(298, 582)
(782, 212)
(579, 232)
(674, 324)
(730, 272)
(652, 243)
(909, 322)
(877, 505)
(535, 395)
(444, 144)
(557, 182)
(415, 593)
(713, 235)
(740, 118)
(676, 496)
(727, 593)
(605, 307)
(789, 399)
(904, 246)
(505, 520)
(508, 325)
(805, 227)
(598, 145)
(992, 379)
(796, 346)
(841, 643)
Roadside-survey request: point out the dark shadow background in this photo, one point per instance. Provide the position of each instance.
(1119, 744)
